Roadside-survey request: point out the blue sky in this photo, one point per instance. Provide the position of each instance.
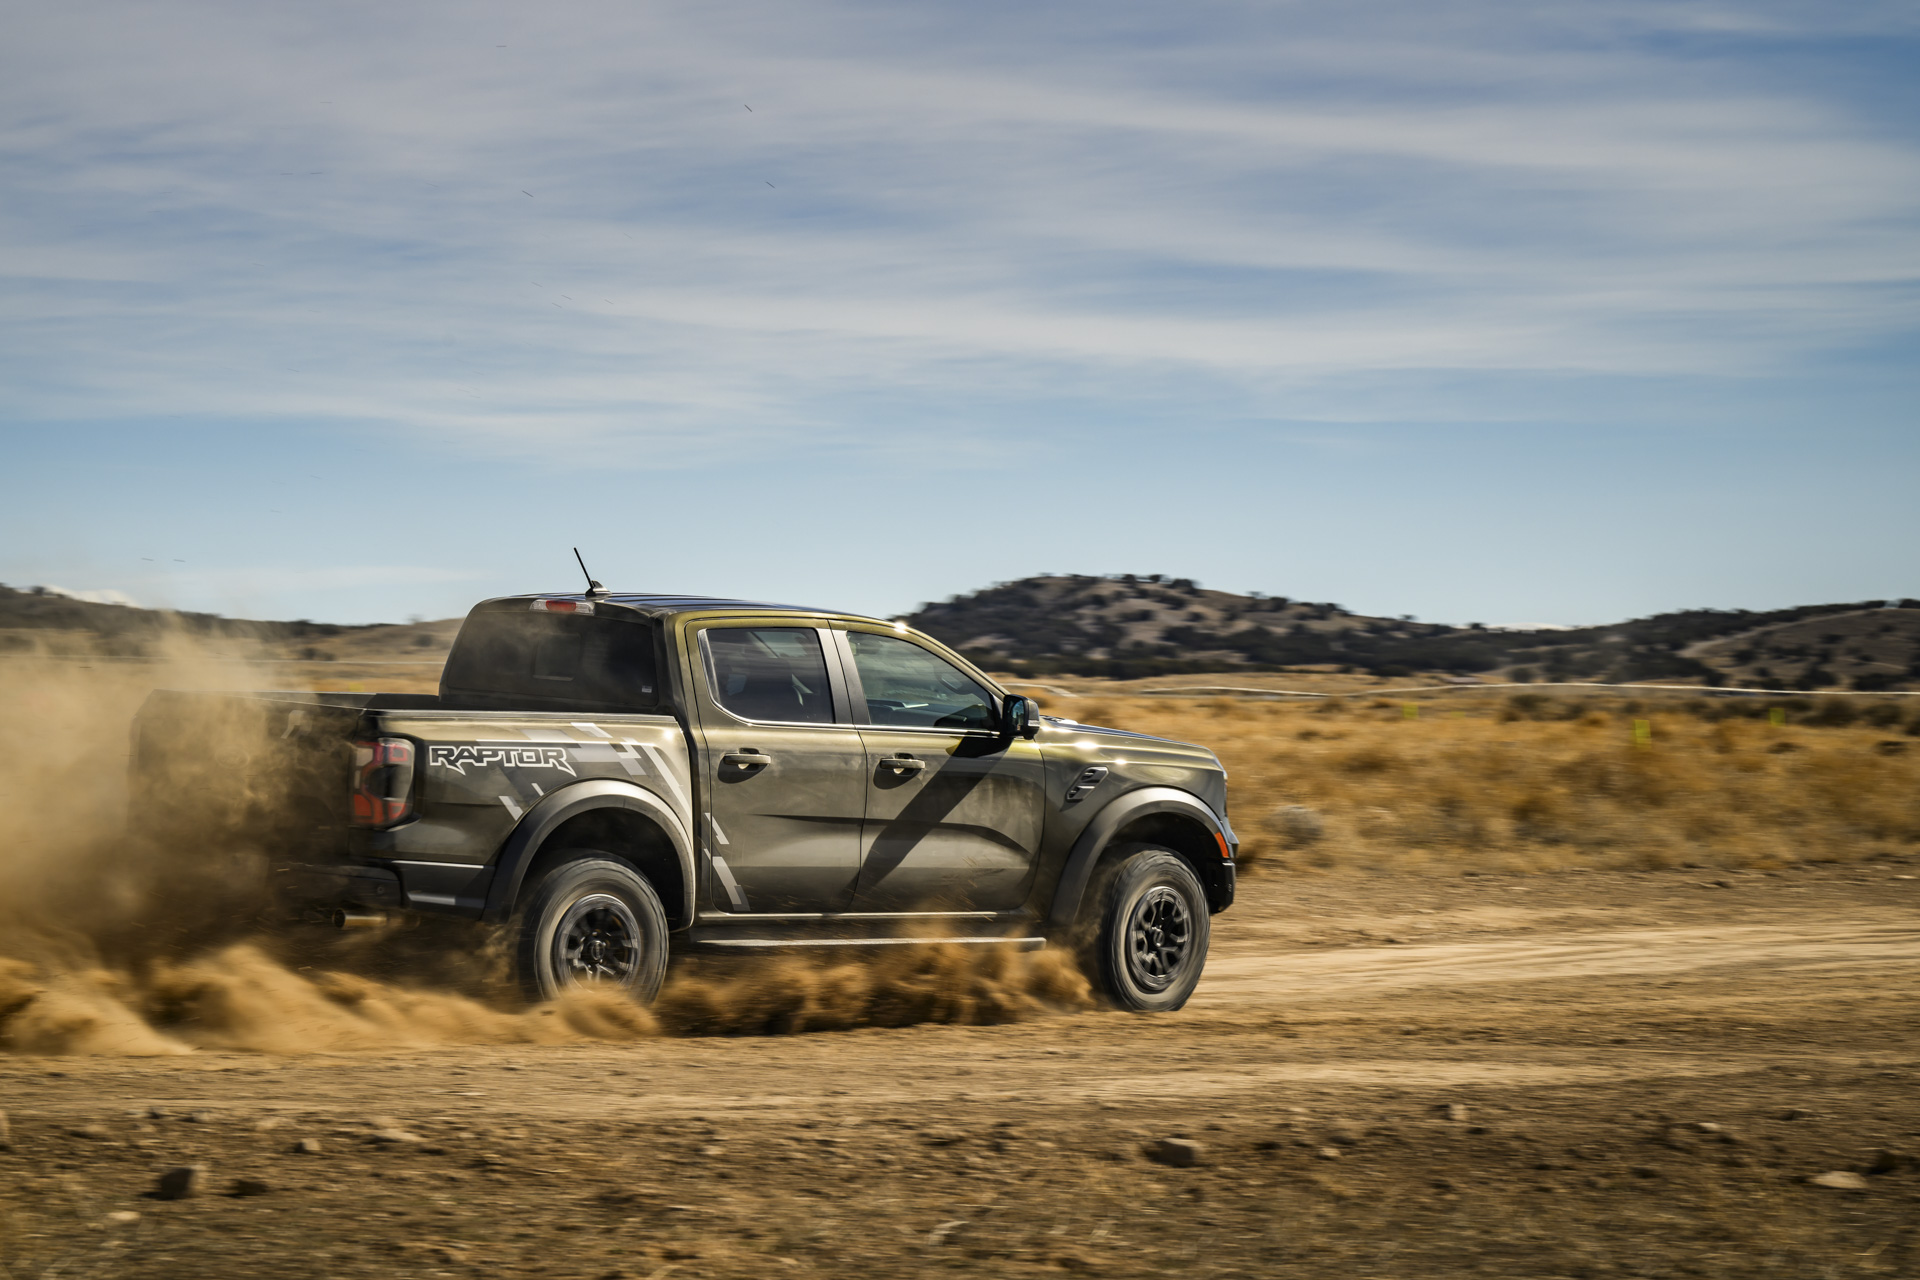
(1477, 311)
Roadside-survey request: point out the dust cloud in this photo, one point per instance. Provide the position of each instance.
(116, 940)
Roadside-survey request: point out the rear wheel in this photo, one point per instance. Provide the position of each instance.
(592, 921)
(1152, 930)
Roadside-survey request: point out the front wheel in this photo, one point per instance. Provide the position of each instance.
(592, 921)
(1153, 930)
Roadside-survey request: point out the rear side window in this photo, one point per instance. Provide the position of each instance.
(770, 673)
(553, 662)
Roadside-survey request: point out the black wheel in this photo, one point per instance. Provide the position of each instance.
(1152, 930)
(592, 921)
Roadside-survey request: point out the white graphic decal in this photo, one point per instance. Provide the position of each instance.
(666, 776)
(458, 758)
(735, 894)
(512, 808)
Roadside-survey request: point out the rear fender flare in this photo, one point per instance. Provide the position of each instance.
(1099, 833)
(541, 821)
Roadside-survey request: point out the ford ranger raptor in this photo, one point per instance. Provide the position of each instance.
(616, 778)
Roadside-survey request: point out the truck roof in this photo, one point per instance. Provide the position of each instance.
(659, 605)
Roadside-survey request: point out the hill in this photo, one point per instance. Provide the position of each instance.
(37, 619)
(1129, 626)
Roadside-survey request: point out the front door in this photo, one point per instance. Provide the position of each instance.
(786, 776)
(954, 810)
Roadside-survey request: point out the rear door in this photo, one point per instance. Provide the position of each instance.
(785, 770)
(953, 810)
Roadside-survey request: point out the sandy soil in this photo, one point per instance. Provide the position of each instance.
(1651, 1067)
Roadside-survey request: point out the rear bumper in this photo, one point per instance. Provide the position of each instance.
(431, 887)
(338, 885)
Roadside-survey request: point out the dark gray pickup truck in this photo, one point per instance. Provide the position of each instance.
(609, 774)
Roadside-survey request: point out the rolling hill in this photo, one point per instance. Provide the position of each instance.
(1131, 626)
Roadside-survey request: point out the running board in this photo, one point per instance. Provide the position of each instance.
(1018, 944)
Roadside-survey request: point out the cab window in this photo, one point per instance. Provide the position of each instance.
(906, 685)
(520, 660)
(770, 673)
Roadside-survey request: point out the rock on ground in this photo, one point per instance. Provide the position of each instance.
(1178, 1152)
(180, 1182)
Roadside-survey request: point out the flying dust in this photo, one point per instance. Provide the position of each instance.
(114, 940)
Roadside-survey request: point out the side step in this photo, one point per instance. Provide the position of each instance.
(702, 938)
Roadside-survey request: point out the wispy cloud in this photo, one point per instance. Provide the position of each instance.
(382, 218)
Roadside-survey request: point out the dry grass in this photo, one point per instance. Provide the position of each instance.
(1531, 783)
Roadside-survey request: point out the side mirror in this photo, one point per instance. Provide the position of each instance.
(1020, 717)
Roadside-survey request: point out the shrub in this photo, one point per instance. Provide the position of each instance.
(1296, 824)
(1525, 706)
(1834, 713)
(1369, 760)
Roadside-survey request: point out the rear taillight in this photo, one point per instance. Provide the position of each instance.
(382, 781)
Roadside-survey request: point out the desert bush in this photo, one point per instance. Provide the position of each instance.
(1525, 706)
(1296, 824)
(1370, 759)
(1834, 713)
(1881, 715)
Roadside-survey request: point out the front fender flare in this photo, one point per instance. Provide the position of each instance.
(541, 821)
(1093, 841)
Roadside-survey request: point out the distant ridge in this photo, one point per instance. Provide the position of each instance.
(1129, 626)
(47, 620)
(1133, 626)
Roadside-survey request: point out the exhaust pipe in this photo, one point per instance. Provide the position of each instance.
(344, 919)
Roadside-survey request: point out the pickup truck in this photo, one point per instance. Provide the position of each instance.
(613, 777)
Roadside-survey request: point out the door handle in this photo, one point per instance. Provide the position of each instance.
(903, 764)
(746, 759)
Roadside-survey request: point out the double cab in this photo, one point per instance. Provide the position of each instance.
(617, 779)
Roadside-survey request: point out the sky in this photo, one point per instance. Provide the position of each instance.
(1503, 312)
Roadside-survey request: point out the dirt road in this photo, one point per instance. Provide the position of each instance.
(1643, 1071)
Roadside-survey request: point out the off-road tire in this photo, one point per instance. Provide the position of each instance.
(1151, 929)
(592, 920)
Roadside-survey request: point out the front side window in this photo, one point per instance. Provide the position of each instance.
(770, 673)
(906, 685)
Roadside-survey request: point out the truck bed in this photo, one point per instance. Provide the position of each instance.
(273, 772)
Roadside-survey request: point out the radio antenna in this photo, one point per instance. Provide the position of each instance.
(593, 588)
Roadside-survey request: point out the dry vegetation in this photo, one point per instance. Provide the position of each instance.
(1532, 782)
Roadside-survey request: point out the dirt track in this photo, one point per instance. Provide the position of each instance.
(1590, 1024)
